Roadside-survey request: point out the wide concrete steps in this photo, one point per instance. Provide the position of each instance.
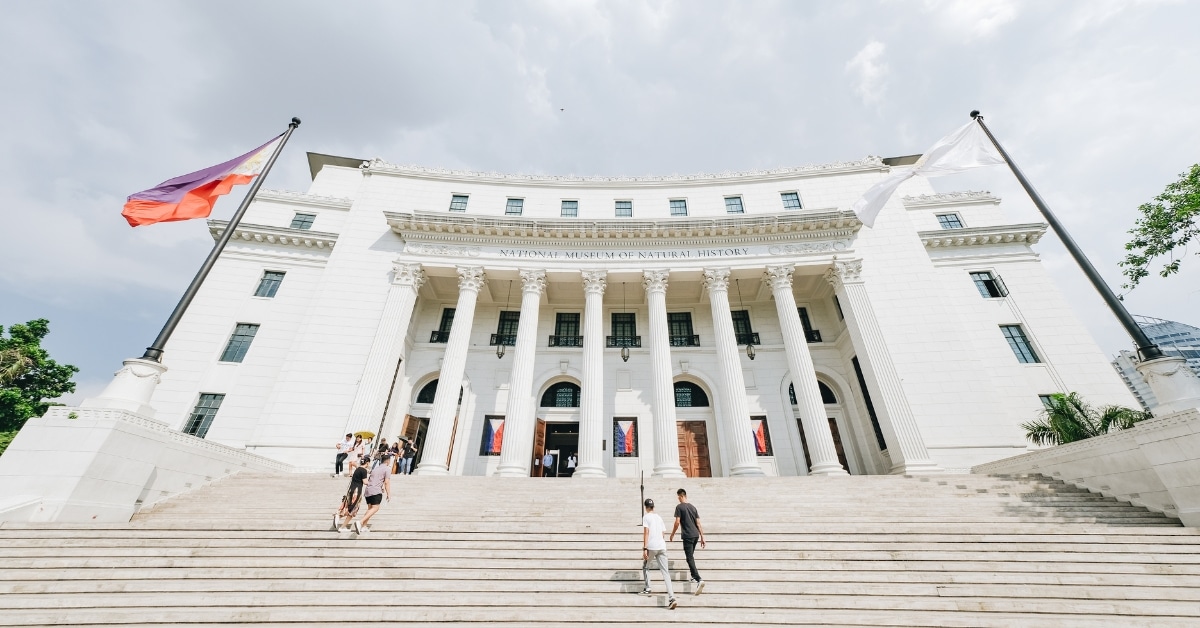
(858, 551)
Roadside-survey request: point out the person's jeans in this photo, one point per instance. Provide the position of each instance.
(660, 557)
(337, 463)
(689, 549)
(407, 469)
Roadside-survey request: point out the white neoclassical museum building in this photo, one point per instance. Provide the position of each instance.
(724, 325)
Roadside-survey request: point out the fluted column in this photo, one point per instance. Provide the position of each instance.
(906, 448)
(373, 387)
(454, 362)
(516, 452)
(666, 434)
(591, 402)
(804, 376)
(738, 440)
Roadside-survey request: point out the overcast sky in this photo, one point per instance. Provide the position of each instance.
(1096, 100)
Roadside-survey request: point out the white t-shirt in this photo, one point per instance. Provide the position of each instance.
(571, 462)
(654, 540)
(344, 447)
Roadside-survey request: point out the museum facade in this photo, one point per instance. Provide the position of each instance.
(709, 325)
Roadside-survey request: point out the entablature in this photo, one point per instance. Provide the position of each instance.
(977, 236)
(807, 225)
(951, 199)
(308, 200)
(275, 235)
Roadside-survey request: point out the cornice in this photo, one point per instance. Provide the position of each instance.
(951, 198)
(789, 226)
(978, 236)
(298, 198)
(378, 166)
(275, 235)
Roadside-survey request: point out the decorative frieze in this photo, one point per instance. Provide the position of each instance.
(444, 250)
(979, 236)
(275, 235)
(951, 198)
(307, 200)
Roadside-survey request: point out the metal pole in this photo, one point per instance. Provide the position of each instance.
(154, 351)
(1146, 350)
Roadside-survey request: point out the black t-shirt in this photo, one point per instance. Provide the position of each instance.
(356, 484)
(687, 515)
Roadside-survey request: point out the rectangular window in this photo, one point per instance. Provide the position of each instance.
(762, 436)
(443, 331)
(733, 205)
(458, 203)
(679, 328)
(1019, 344)
(493, 435)
(950, 221)
(791, 200)
(1046, 400)
(862, 385)
(203, 414)
(570, 209)
(989, 285)
(506, 329)
(625, 441)
(303, 221)
(624, 324)
(679, 207)
(514, 207)
(239, 343)
(810, 334)
(742, 331)
(566, 324)
(269, 284)
(624, 209)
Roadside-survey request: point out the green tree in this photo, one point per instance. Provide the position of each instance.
(1167, 224)
(1069, 418)
(28, 377)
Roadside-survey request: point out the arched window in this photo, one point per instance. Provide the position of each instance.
(561, 395)
(827, 396)
(689, 395)
(430, 391)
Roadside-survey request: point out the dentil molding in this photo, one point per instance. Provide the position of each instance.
(978, 236)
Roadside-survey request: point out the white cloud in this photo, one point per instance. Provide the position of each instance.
(970, 19)
(870, 71)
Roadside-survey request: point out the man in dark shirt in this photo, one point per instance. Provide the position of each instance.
(688, 518)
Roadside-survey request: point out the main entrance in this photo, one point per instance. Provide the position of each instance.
(693, 449)
(560, 440)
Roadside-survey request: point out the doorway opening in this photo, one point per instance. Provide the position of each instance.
(830, 401)
(693, 449)
(553, 444)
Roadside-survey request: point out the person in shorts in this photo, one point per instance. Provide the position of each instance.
(379, 486)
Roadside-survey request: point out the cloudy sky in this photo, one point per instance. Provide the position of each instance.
(1095, 99)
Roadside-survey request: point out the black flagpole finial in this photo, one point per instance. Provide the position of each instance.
(295, 122)
(974, 114)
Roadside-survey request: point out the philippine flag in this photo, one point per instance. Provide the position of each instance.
(193, 195)
(760, 435)
(493, 438)
(625, 437)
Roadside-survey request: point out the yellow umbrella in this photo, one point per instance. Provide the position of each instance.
(366, 435)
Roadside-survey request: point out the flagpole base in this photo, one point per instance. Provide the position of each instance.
(1175, 386)
(131, 388)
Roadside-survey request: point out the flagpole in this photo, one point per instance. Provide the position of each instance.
(1147, 350)
(154, 351)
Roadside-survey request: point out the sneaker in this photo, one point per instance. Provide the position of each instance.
(357, 528)
(363, 529)
(345, 529)
(645, 592)
(671, 603)
(335, 523)
(699, 587)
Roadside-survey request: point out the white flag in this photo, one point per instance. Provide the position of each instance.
(967, 147)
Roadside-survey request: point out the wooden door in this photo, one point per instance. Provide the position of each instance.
(837, 444)
(693, 449)
(539, 449)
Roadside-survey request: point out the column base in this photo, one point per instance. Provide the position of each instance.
(590, 472)
(920, 467)
(747, 471)
(828, 468)
(512, 472)
(432, 470)
(671, 471)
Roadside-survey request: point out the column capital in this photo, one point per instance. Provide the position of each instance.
(595, 281)
(655, 280)
(716, 279)
(533, 281)
(780, 276)
(843, 272)
(470, 278)
(405, 274)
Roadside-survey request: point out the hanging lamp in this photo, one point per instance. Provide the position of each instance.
(500, 338)
(625, 346)
(742, 306)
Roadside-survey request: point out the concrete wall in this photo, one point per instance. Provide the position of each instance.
(1156, 465)
(105, 465)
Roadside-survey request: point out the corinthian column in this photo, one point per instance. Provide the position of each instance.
(379, 373)
(517, 449)
(736, 411)
(666, 435)
(906, 447)
(591, 402)
(435, 459)
(804, 376)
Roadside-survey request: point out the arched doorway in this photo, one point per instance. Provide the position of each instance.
(692, 414)
(416, 422)
(835, 415)
(556, 436)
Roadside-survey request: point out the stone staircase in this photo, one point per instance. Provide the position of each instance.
(955, 550)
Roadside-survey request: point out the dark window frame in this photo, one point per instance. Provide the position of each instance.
(739, 205)
(303, 221)
(574, 209)
(680, 209)
(950, 220)
(484, 450)
(514, 207)
(1020, 344)
(623, 206)
(268, 284)
(636, 434)
(456, 205)
(793, 203)
(691, 395)
(203, 413)
(769, 450)
(560, 393)
(989, 284)
(239, 343)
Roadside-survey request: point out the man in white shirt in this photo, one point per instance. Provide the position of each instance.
(654, 549)
(343, 450)
(547, 464)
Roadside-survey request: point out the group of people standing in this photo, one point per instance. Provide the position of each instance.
(370, 472)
